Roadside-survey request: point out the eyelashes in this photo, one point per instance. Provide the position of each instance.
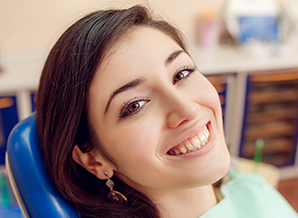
(183, 74)
(135, 105)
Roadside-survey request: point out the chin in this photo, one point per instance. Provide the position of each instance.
(219, 169)
(223, 168)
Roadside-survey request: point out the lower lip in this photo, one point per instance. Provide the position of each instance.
(201, 151)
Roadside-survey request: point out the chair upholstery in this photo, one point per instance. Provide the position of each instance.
(31, 183)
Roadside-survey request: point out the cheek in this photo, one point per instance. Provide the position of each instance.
(214, 102)
(132, 142)
(206, 95)
(135, 153)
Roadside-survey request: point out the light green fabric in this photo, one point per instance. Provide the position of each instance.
(249, 196)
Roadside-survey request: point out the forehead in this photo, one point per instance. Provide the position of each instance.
(140, 47)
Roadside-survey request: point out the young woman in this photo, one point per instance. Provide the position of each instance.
(127, 125)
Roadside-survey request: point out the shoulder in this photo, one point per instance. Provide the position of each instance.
(251, 195)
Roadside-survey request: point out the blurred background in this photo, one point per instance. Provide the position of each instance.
(33, 24)
(247, 48)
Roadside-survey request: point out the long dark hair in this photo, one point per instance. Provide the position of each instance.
(62, 109)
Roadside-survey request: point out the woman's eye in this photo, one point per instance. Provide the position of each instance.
(132, 107)
(182, 74)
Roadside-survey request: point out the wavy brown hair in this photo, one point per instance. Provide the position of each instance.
(62, 109)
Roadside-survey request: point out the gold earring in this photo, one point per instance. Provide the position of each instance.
(114, 196)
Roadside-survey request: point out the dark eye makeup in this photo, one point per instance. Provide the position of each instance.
(134, 105)
(183, 74)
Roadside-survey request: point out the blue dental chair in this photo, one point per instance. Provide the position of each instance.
(28, 176)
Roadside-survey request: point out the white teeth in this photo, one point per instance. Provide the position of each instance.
(183, 149)
(188, 145)
(193, 144)
(202, 137)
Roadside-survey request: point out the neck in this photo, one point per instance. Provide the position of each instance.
(190, 203)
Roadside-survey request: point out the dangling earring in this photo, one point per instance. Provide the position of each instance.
(114, 196)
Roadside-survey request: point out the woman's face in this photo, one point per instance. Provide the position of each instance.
(156, 116)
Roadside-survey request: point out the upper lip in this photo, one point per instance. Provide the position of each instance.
(189, 133)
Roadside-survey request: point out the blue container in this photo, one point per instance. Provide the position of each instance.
(258, 28)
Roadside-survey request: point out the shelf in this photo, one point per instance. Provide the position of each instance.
(272, 115)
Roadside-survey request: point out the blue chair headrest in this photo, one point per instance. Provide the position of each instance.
(38, 194)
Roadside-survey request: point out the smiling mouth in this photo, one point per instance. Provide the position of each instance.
(191, 144)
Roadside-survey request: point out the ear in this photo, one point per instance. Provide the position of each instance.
(92, 162)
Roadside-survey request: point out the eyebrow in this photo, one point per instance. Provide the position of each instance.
(140, 81)
(127, 86)
(173, 56)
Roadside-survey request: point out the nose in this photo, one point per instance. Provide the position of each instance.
(180, 109)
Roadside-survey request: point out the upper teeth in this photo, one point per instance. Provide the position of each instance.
(192, 144)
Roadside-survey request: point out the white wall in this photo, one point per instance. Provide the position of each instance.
(36, 24)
